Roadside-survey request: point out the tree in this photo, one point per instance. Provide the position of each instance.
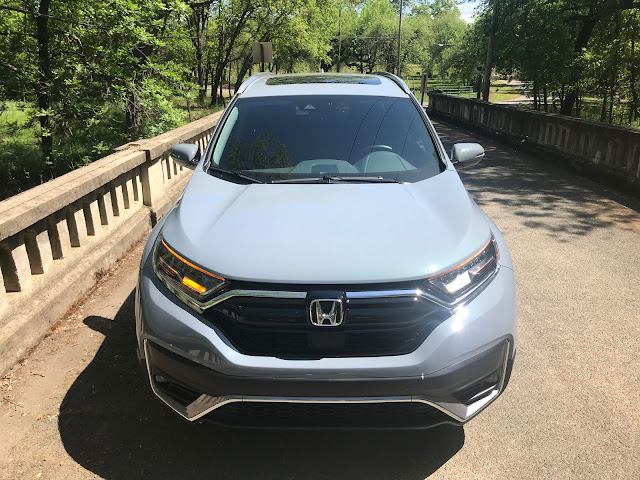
(585, 15)
(78, 58)
(38, 13)
(197, 22)
(371, 31)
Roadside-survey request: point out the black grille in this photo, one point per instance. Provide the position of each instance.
(319, 415)
(281, 328)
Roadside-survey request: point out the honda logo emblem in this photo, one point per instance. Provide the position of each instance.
(326, 312)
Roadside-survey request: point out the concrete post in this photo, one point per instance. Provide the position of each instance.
(152, 179)
(117, 200)
(92, 217)
(77, 225)
(14, 262)
(59, 236)
(106, 208)
(166, 167)
(38, 250)
(136, 183)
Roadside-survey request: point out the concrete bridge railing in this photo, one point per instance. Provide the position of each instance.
(608, 153)
(56, 239)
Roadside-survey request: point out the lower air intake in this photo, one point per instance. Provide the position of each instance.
(401, 415)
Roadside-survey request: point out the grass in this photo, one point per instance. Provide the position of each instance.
(500, 92)
(21, 162)
(591, 109)
(22, 165)
(196, 109)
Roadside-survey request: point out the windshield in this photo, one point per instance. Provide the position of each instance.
(321, 136)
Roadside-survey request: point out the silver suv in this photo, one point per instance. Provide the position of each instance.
(325, 267)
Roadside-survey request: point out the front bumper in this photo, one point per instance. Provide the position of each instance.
(462, 366)
(460, 392)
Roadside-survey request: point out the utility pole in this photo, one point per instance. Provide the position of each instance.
(399, 37)
(339, 34)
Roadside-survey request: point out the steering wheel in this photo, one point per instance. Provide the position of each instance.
(376, 148)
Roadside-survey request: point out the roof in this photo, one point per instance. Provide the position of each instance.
(267, 84)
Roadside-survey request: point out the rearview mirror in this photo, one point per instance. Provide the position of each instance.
(186, 154)
(466, 154)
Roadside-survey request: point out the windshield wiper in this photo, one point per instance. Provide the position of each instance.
(233, 173)
(337, 178)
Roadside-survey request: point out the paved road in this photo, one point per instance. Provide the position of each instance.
(77, 408)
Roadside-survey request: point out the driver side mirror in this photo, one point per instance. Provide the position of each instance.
(466, 154)
(186, 154)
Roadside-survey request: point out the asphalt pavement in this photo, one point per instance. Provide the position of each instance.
(77, 407)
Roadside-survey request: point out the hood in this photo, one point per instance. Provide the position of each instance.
(326, 233)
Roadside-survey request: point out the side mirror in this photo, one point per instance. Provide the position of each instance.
(466, 154)
(186, 154)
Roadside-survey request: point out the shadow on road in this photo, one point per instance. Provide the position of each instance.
(110, 424)
(548, 196)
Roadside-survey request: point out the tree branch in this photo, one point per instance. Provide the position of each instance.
(18, 9)
(18, 34)
(10, 67)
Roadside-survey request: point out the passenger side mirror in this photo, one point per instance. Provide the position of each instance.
(186, 154)
(466, 154)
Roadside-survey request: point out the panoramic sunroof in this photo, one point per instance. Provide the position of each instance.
(324, 78)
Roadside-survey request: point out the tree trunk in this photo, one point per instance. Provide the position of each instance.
(536, 104)
(576, 71)
(134, 108)
(614, 68)
(44, 77)
(603, 110)
(246, 66)
(634, 92)
(488, 66)
(544, 95)
(216, 80)
(224, 55)
(206, 83)
(133, 117)
(197, 23)
(221, 89)
(611, 100)
(633, 73)
(202, 82)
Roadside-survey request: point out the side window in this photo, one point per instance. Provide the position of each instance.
(224, 135)
(418, 147)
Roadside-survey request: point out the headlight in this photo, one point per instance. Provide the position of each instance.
(191, 283)
(459, 282)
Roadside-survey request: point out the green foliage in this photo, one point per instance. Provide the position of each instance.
(370, 33)
(568, 50)
(80, 77)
